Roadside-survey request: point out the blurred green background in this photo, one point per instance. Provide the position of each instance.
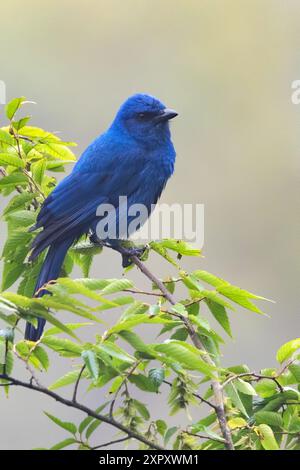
(227, 67)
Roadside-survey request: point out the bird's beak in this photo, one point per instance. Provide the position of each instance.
(165, 115)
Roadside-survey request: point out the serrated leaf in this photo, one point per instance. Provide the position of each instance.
(141, 408)
(209, 278)
(240, 297)
(115, 351)
(12, 107)
(42, 356)
(156, 376)
(62, 345)
(91, 362)
(38, 169)
(266, 388)
(233, 394)
(13, 180)
(87, 421)
(269, 417)
(220, 315)
(64, 443)
(186, 355)
(18, 202)
(287, 350)
(12, 160)
(245, 387)
(65, 380)
(70, 427)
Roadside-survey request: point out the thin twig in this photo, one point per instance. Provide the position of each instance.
(111, 442)
(258, 377)
(74, 399)
(83, 408)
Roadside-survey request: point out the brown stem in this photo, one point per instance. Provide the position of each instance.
(216, 386)
(74, 399)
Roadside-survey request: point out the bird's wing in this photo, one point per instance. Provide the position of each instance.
(71, 207)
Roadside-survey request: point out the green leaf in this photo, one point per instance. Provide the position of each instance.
(91, 362)
(213, 295)
(11, 272)
(38, 169)
(87, 421)
(115, 351)
(13, 180)
(42, 356)
(220, 315)
(65, 380)
(157, 376)
(70, 427)
(62, 345)
(54, 321)
(186, 355)
(267, 438)
(287, 350)
(77, 287)
(117, 285)
(6, 138)
(72, 326)
(137, 343)
(240, 297)
(170, 432)
(19, 202)
(233, 394)
(21, 122)
(269, 417)
(209, 278)
(12, 160)
(245, 387)
(235, 423)
(137, 320)
(22, 218)
(161, 427)
(295, 370)
(64, 443)
(12, 107)
(141, 408)
(266, 388)
(180, 246)
(143, 383)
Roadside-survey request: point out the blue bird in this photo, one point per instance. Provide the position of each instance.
(135, 158)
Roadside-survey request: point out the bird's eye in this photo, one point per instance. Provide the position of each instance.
(141, 115)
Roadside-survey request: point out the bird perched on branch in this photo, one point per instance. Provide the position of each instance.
(133, 158)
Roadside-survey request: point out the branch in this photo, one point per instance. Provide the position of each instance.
(111, 442)
(83, 408)
(216, 386)
(258, 377)
(74, 399)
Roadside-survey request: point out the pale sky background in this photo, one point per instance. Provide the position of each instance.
(227, 67)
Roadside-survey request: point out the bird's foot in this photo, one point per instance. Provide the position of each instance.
(128, 253)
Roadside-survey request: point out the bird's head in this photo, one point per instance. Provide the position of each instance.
(145, 118)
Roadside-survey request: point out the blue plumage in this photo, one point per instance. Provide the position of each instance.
(134, 158)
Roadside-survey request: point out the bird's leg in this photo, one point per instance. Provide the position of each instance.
(124, 247)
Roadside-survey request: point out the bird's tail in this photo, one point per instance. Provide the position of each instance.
(50, 271)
